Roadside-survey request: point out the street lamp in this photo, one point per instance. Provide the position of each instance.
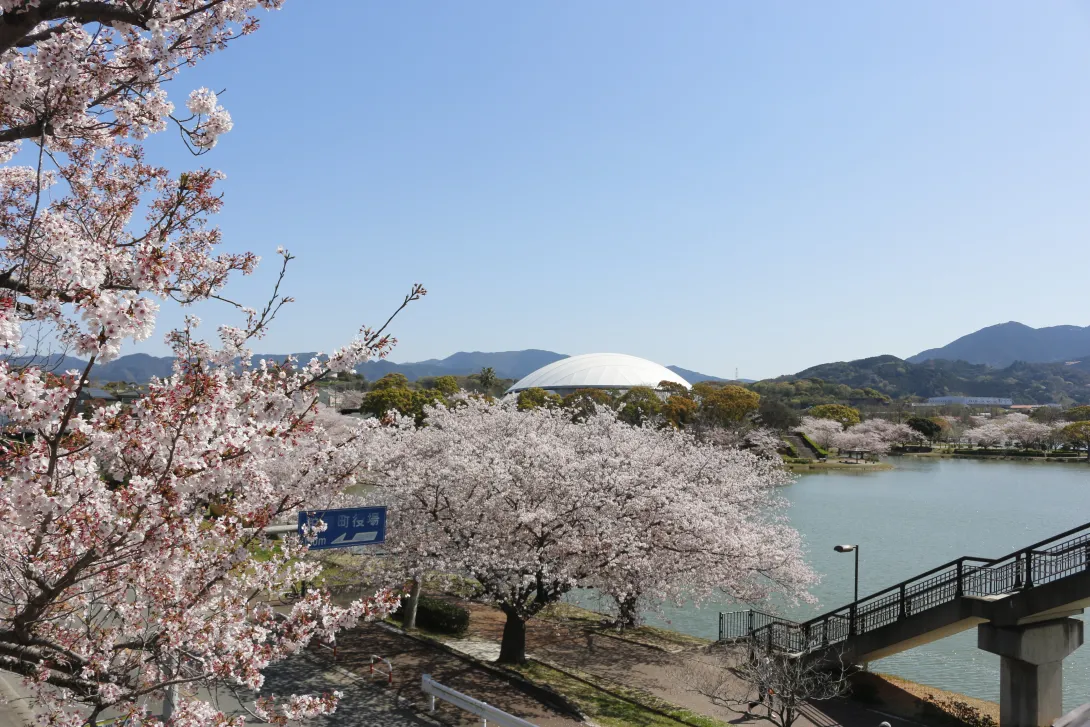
(849, 549)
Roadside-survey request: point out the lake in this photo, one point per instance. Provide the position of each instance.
(921, 514)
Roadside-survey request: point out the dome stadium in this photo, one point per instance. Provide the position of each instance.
(597, 371)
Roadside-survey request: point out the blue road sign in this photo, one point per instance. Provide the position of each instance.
(347, 528)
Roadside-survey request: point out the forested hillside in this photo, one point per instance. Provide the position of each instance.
(1026, 383)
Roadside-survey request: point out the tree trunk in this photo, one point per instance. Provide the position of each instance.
(409, 622)
(513, 646)
(628, 612)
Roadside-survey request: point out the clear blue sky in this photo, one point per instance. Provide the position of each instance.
(714, 184)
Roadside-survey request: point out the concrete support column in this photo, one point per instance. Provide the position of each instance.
(1031, 668)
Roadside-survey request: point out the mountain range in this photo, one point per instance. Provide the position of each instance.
(140, 367)
(1026, 383)
(1003, 344)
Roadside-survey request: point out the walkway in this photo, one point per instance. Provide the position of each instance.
(1021, 605)
(1045, 581)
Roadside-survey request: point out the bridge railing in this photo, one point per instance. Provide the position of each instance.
(1052, 559)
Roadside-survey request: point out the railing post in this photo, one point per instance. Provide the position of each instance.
(851, 620)
(1086, 557)
(1029, 569)
(960, 589)
(825, 632)
(806, 636)
(1018, 572)
(903, 610)
(722, 621)
(749, 614)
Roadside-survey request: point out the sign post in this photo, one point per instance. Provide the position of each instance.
(345, 528)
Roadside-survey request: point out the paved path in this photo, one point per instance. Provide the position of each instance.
(364, 704)
(14, 711)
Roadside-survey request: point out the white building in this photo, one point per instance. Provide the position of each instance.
(970, 400)
(597, 371)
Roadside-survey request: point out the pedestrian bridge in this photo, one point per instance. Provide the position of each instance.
(1021, 605)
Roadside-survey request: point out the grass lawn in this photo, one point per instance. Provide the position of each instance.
(610, 710)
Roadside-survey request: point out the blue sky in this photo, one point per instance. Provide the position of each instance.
(714, 184)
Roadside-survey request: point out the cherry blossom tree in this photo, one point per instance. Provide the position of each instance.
(987, 434)
(887, 433)
(821, 431)
(852, 440)
(1028, 433)
(127, 533)
(532, 505)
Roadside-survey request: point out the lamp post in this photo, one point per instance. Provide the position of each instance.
(849, 549)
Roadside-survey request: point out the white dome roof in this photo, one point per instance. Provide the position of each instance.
(598, 371)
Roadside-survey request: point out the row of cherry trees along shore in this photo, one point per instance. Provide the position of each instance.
(128, 536)
(1013, 430)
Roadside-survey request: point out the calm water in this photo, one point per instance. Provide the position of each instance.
(915, 517)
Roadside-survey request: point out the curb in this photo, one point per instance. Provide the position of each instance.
(546, 695)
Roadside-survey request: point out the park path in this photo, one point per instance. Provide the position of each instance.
(666, 675)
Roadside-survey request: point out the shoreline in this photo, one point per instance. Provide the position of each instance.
(992, 457)
(912, 700)
(838, 466)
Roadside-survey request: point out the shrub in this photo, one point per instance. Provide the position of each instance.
(435, 614)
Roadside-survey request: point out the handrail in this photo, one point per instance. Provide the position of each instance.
(967, 575)
(483, 710)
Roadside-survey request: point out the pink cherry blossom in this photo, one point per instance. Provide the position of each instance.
(532, 506)
(127, 533)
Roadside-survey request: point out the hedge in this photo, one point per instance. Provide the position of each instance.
(435, 614)
(809, 441)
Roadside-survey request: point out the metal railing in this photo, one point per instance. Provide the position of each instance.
(485, 711)
(1050, 560)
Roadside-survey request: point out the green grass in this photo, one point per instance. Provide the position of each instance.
(646, 635)
(813, 444)
(609, 710)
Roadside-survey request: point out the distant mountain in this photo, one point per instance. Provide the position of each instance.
(1026, 383)
(140, 367)
(1003, 344)
(695, 376)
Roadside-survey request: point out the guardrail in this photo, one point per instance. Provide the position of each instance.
(1049, 560)
(485, 711)
(330, 645)
(389, 673)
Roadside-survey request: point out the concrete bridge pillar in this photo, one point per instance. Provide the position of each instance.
(1031, 668)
